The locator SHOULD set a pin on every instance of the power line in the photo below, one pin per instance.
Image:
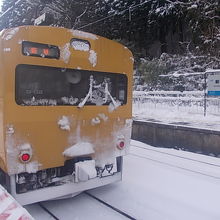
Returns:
(109, 16)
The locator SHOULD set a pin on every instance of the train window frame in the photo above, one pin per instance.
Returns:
(120, 78)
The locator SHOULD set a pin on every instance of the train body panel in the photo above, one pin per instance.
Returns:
(44, 128)
(2, 148)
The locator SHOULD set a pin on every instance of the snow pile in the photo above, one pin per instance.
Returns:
(103, 116)
(79, 149)
(93, 57)
(84, 34)
(31, 167)
(194, 6)
(10, 129)
(80, 45)
(10, 209)
(132, 59)
(64, 123)
(65, 53)
(10, 34)
(95, 121)
(25, 147)
(85, 170)
(114, 106)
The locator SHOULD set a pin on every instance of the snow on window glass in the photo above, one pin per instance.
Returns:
(80, 45)
(50, 86)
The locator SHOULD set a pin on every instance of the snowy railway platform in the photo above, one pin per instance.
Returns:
(158, 184)
(181, 129)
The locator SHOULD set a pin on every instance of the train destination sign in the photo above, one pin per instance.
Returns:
(213, 83)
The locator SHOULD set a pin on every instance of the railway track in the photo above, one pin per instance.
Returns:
(182, 157)
(47, 211)
(122, 213)
(175, 165)
(110, 206)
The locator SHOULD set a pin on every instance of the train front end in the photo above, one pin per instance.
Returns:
(65, 111)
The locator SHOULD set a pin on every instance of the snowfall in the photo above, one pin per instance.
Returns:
(158, 183)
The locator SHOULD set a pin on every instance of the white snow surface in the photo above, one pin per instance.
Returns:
(79, 149)
(113, 107)
(10, 34)
(95, 121)
(84, 34)
(10, 129)
(155, 186)
(65, 53)
(64, 123)
(171, 115)
(93, 58)
(81, 46)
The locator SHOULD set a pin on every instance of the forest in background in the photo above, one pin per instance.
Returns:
(165, 36)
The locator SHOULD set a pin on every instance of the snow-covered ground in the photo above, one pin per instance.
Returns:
(186, 116)
(158, 184)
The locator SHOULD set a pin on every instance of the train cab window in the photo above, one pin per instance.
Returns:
(45, 86)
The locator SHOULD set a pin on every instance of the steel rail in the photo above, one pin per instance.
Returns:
(182, 157)
(47, 210)
(110, 206)
(175, 166)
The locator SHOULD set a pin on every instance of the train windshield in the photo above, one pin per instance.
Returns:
(44, 86)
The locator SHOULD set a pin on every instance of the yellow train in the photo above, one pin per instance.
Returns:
(65, 111)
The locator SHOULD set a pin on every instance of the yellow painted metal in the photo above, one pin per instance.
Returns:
(38, 125)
